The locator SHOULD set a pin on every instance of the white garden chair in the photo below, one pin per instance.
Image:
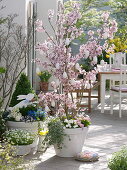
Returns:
(117, 59)
(119, 90)
(115, 62)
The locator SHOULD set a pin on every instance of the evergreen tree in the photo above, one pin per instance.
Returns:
(23, 87)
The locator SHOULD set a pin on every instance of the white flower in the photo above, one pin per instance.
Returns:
(75, 126)
(66, 120)
(69, 125)
(71, 121)
(105, 35)
(47, 109)
(66, 125)
(18, 117)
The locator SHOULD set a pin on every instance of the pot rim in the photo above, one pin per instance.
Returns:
(75, 130)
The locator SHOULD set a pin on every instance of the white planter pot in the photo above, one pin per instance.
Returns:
(30, 126)
(73, 144)
(22, 149)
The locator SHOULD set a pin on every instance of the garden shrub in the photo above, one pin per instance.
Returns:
(119, 160)
(23, 87)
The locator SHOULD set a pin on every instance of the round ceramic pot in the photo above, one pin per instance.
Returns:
(22, 149)
(73, 142)
(29, 126)
(44, 86)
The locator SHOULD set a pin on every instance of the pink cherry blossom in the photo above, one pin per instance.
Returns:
(60, 61)
(50, 13)
(90, 33)
(105, 16)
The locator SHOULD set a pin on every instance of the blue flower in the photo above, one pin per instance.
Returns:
(37, 115)
(41, 114)
(32, 114)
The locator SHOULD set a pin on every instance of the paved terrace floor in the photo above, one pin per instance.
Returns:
(107, 134)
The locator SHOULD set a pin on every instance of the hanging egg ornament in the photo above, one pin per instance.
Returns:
(57, 65)
(53, 103)
(65, 75)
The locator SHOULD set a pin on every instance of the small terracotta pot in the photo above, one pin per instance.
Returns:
(44, 86)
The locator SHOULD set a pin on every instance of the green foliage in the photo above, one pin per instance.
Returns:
(119, 160)
(55, 135)
(2, 20)
(90, 13)
(19, 137)
(23, 87)
(2, 70)
(86, 123)
(8, 161)
(44, 76)
(24, 110)
(85, 64)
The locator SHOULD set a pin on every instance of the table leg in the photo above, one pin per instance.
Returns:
(103, 82)
(99, 89)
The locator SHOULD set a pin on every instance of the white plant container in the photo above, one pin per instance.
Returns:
(22, 149)
(73, 142)
(32, 127)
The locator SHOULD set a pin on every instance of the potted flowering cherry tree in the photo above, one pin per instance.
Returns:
(65, 69)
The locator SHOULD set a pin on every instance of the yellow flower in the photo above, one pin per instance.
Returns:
(42, 133)
(107, 56)
(39, 73)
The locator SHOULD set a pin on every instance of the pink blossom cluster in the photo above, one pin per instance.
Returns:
(61, 63)
(79, 121)
(109, 26)
(58, 101)
(93, 47)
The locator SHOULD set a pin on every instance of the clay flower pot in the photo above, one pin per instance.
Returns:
(44, 86)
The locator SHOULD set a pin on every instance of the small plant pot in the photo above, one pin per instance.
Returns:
(44, 86)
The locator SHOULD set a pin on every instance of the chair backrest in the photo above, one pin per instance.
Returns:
(123, 75)
(117, 59)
